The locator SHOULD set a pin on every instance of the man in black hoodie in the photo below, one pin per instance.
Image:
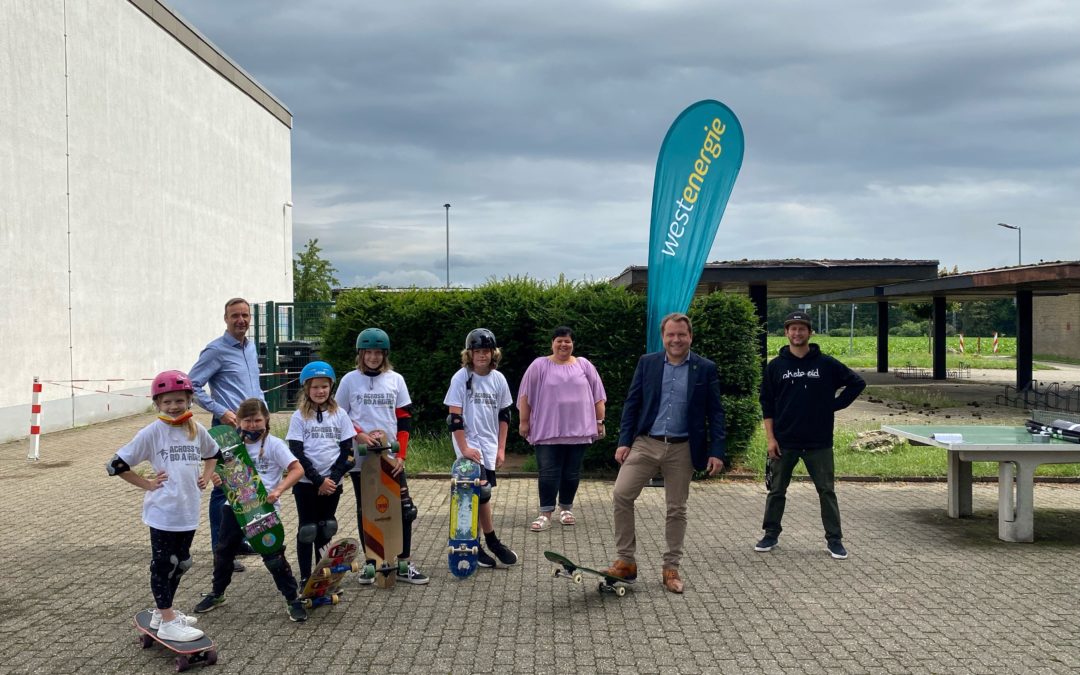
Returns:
(798, 400)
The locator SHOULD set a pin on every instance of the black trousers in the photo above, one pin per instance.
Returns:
(230, 539)
(167, 551)
(313, 508)
(819, 464)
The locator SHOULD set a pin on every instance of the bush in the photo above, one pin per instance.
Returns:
(427, 329)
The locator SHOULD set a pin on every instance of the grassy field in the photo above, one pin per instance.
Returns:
(904, 461)
(911, 351)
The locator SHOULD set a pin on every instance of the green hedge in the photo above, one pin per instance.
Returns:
(427, 329)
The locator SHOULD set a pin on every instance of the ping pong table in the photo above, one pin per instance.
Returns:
(1018, 453)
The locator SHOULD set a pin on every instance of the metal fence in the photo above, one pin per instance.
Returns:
(288, 336)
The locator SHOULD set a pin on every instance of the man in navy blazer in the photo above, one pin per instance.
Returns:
(672, 421)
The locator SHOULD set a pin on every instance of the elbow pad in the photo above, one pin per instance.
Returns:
(504, 415)
(455, 422)
(116, 466)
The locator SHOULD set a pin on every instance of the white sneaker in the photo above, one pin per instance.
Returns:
(178, 631)
(155, 620)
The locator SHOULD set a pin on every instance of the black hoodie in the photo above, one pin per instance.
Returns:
(799, 395)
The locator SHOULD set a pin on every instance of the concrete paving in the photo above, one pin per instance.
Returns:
(920, 592)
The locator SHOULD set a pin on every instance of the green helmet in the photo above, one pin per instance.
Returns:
(373, 338)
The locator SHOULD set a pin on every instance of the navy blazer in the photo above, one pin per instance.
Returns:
(704, 409)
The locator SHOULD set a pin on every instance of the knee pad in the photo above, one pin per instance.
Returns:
(307, 532)
(327, 528)
(485, 494)
(179, 566)
(408, 510)
(277, 563)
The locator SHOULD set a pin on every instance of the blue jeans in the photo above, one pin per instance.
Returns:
(560, 474)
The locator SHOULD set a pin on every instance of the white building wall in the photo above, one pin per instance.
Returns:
(178, 185)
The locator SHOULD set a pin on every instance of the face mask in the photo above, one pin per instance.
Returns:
(175, 421)
(251, 436)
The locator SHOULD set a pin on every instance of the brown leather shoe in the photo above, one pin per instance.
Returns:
(672, 582)
(623, 570)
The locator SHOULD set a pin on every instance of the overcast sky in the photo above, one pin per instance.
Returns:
(873, 129)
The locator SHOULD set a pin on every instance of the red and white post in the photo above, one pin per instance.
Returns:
(35, 423)
(961, 343)
(995, 342)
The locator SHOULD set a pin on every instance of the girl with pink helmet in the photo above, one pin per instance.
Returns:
(175, 445)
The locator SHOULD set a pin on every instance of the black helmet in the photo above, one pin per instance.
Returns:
(480, 338)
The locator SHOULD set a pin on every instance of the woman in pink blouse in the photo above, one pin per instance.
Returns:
(561, 405)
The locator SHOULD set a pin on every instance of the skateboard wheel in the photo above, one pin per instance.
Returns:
(211, 657)
(324, 573)
(475, 550)
(354, 566)
(182, 663)
(555, 572)
(146, 641)
(449, 549)
(620, 591)
(602, 587)
(577, 577)
(335, 599)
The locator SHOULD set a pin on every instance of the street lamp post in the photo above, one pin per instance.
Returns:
(447, 207)
(1019, 241)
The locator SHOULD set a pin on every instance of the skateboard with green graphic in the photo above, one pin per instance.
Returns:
(258, 519)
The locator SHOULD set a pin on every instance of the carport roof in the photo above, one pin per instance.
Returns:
(793, 277)
(1053, 278)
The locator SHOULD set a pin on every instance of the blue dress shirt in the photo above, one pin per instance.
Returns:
(671, 415)
(231, 368)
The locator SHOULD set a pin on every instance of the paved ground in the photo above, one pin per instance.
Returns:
(920, 593)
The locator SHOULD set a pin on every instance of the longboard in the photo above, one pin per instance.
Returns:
(258, 519)
(463, 546)
(380, 506)
(567, 569)
(187, 653)
(325, 580)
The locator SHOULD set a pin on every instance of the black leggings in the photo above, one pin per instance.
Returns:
(230, 539)
(311, 509)
(167, 551)
(406, 525)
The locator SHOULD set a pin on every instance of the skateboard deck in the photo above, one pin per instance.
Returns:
(567, 569)
(187, 653)
(380, 505)
(322, 587)
(258, 519)
(464, 543)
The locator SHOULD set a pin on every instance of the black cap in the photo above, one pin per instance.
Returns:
(798, 316)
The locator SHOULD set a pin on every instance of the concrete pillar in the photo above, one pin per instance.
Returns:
(939, 338)
(882, 336)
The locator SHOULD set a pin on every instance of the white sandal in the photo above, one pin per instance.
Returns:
(540, 524)
(566, 517)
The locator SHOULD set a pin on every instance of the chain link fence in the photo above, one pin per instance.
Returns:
(288, 336)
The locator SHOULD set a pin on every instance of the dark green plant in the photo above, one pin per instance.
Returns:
(427, 329)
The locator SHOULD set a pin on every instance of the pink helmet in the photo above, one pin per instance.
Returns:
(170, 380)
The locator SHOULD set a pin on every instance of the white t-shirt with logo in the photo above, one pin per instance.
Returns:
(275, 461)
(173, 507)
(322, 440)
(480, 398)
(372, 402)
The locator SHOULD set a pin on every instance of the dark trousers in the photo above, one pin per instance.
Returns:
(312, 509)
(229, 542)
(217, 500)
(169, 555)
(406, 525)
(819, 464)
(560, 474)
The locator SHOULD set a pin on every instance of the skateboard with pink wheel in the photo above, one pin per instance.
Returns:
(201, 651)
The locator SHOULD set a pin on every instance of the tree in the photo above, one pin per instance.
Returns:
(313, 277)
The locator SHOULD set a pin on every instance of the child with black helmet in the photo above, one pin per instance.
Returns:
(479, 401)
(321, 438)
(375, 397)
(174, 444)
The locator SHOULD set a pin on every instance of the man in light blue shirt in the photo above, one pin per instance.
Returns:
(230, 365)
